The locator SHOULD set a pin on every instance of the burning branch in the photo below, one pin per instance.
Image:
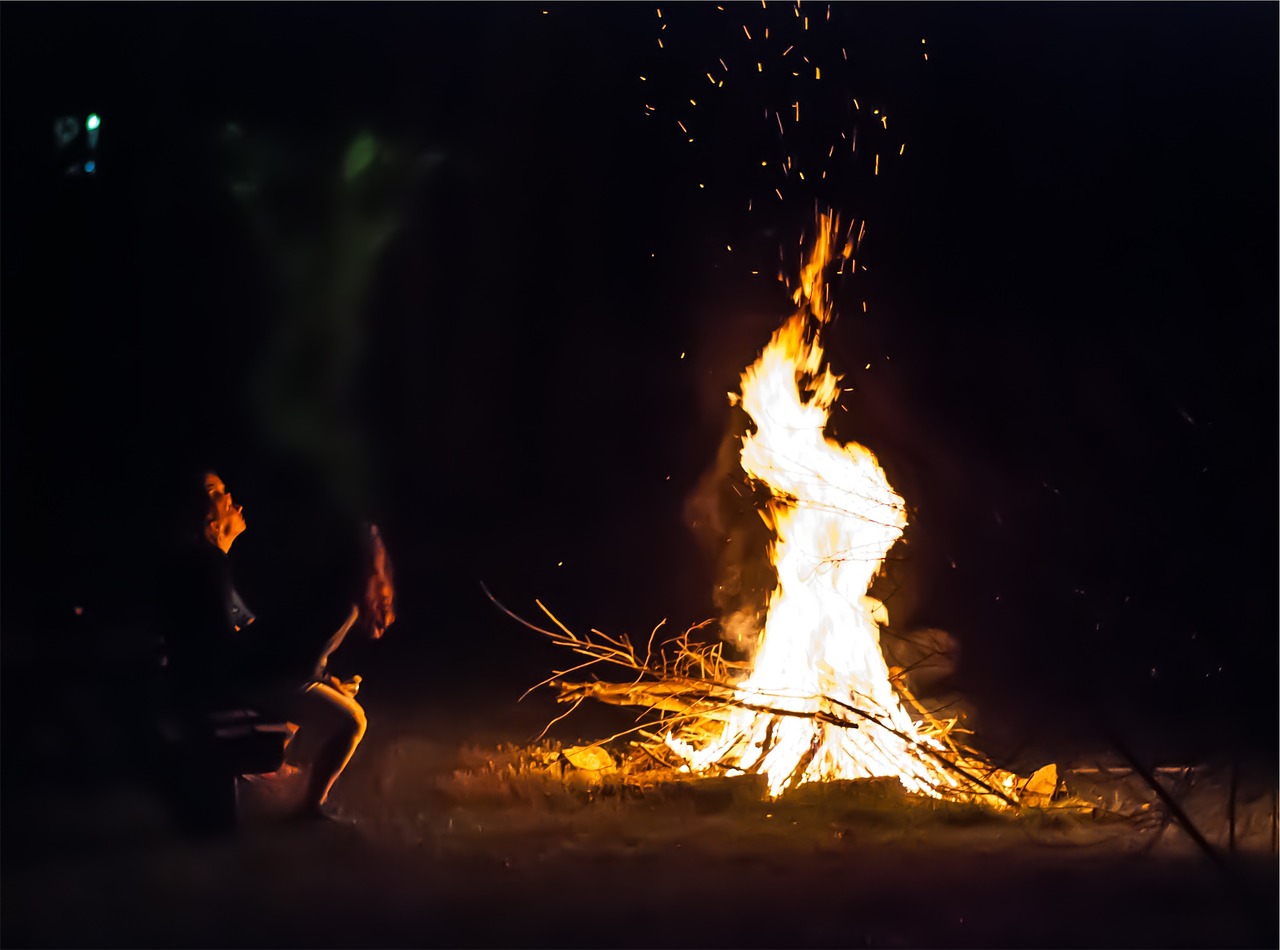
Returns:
(688, 685)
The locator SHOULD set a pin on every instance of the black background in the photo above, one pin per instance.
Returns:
(1071, 320)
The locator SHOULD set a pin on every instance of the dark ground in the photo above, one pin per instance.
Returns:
(1072, 292)
(450, 849)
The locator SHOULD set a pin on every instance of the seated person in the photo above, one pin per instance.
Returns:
(220, 658)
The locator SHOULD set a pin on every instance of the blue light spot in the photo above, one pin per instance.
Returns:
(89, 167)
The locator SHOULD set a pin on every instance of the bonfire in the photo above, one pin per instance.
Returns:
(816, 701)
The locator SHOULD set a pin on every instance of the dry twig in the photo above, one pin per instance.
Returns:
(689, 687)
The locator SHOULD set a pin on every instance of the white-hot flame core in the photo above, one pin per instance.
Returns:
(835, 518)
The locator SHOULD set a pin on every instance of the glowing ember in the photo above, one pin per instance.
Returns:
(818, 704)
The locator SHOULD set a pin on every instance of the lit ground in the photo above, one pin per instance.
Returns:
(447, 849)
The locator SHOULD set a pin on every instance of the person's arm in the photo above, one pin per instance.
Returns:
(335, 641)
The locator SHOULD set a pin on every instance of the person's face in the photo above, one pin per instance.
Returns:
(226, 518)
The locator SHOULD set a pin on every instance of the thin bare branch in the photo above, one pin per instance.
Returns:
(689, 686)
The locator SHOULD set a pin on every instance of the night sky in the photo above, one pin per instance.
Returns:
(1070, 289)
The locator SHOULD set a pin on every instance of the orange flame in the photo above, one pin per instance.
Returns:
(818, 704)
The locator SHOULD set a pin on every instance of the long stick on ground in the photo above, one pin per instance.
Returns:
(695, 684)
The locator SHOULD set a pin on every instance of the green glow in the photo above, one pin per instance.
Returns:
(360, 155)
(92, 122)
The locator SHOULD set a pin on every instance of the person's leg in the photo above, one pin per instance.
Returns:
(330, 715)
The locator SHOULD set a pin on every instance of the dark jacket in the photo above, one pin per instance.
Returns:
(217, 654)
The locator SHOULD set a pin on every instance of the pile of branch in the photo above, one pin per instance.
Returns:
(688, 689)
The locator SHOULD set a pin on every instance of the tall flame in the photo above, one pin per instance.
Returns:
(818, 704)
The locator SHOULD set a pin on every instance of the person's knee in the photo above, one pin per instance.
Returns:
(358, 724)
